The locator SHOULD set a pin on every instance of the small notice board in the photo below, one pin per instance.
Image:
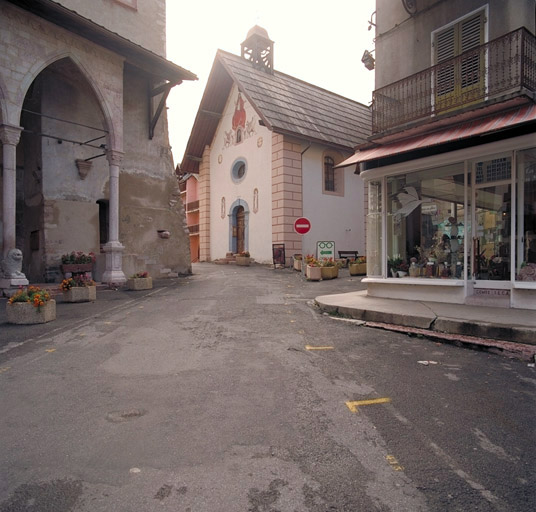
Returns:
(278, 254)
(325, 250)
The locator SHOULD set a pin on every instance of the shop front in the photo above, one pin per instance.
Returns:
(456, 227)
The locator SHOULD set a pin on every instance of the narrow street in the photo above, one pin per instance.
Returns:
(227, 391)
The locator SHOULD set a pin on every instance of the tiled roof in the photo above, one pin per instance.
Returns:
(284, 103)
(293, 106)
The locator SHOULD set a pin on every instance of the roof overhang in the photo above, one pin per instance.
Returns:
(478, 127)
(133, 53)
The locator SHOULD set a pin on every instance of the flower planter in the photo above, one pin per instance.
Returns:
(357, 269)
(243, 261)
(80, 294)
(25, 313)
(298, 265)
(329, 272)
(313, 273)
(76, 268)
(140, 283)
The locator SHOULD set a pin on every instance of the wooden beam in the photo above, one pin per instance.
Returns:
(217, 115)
(164, 87)
(194, 158)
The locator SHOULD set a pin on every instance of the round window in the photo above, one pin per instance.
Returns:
(239, 170)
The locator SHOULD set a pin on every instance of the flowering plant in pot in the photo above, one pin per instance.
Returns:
(358, 266)
(243, 259)
(329, 268)
(140, 281)
(77, 262)
(79, 288)
(31, 305)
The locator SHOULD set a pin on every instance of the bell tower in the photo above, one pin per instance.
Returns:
(258, 48)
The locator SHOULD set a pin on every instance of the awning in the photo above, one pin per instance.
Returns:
(461, 131)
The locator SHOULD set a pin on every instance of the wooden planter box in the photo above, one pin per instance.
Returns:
(357, 269)
(243, 261)
(313, 273)
(24, 313)
(80, 294)
(140, 283)
(329, 272)
(77, 268)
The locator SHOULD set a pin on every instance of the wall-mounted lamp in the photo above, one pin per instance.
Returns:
(371, 23)
(368, 60)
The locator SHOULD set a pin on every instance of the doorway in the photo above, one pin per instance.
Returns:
(239, 226)
(492, 221)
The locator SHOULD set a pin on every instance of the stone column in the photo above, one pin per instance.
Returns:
(10, 136)
(114, 249)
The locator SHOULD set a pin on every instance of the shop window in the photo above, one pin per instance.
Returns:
(425, 223)
(526, 216)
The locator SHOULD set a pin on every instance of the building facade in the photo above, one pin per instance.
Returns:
(87, 164)
(189, 190)
(450, 167)
(265, 146)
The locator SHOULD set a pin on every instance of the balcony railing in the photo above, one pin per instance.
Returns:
(191, 206)
(506, 65)
(194, 229)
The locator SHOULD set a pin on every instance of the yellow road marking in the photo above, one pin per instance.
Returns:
(4, 369)
(353, 405)
(50, 350)
(393, 463)
(292, 321)
(309, 347)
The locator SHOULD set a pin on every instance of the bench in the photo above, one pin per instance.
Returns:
(348, 254)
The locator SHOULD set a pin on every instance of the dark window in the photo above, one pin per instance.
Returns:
(329, 174)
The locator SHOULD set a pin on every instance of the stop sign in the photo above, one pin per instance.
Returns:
(302, 225)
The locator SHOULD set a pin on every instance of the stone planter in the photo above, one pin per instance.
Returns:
(243, 261)
(329, 272)
(25, 313)
(140, 283)
(313, 273)
(80, 294)
(357, 269)
(298, 265)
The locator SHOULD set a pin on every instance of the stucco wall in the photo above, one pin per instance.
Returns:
(140, 21)
(333, 218)
(403, 43)
(256, 151)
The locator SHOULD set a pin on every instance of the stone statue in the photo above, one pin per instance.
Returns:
(12, 264)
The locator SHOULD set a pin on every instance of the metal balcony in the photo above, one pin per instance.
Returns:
(502, 69)
(192, 206)
(193, 229)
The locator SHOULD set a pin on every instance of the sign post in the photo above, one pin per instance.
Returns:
(302, 225)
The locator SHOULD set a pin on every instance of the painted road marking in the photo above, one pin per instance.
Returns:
(50, 350)
(4, 369)
(309, 347)
(358, 403)
(393, 463)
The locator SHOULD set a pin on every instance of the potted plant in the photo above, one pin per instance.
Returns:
(79, 288)
(329, 269)
(243, 259)
(77, 262)
(30, 305)
(313, 271)
(358, 266)
(140, 281)
(298, 258)
(397, 266)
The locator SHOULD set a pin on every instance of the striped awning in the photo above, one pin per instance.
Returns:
(461, 131)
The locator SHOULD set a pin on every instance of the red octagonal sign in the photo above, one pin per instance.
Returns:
(302, 225)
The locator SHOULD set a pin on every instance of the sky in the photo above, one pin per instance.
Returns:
(318, 41)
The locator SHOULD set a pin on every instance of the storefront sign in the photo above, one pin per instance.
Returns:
(325, 250)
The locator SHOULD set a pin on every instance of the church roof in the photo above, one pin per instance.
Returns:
(284, 104)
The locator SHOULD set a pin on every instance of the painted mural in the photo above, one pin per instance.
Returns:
(241, 128)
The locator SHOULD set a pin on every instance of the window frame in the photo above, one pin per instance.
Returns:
(338, 175)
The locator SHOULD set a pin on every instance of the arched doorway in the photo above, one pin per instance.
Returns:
(239, 226)
(61, 170)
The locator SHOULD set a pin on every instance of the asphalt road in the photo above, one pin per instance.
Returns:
(204, 395)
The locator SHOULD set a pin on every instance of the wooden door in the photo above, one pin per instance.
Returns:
(240, 229)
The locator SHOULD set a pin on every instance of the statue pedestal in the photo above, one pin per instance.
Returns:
(9, 285)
